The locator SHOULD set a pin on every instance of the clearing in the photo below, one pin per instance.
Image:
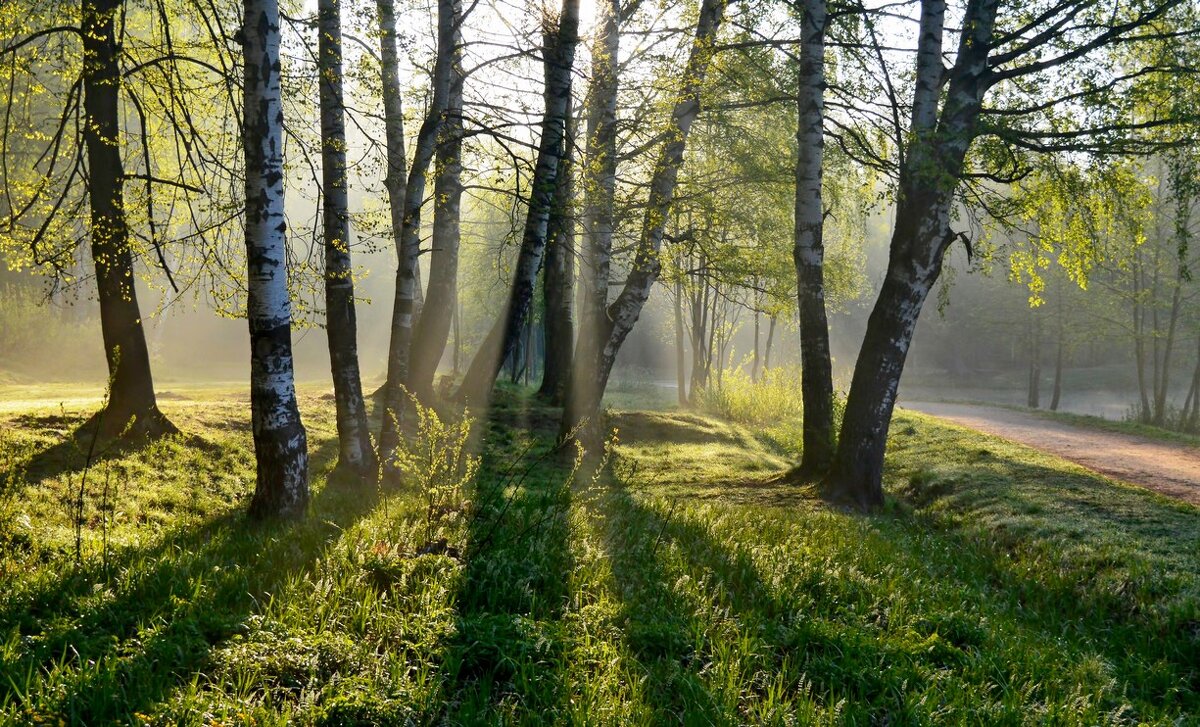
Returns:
(683, 585)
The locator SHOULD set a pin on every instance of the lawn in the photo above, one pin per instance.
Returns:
(682, 583)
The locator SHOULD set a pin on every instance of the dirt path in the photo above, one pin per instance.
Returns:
(1170, 469)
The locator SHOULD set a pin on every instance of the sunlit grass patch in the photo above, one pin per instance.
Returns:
(685, 585)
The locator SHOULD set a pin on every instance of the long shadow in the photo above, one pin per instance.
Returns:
(154, 626)
(1110, 600)
(801, 642)
(510, 640)
(662, 634)
(841, 655)
(79, 448)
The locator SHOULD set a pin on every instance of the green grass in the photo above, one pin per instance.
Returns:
(1136, 428)
(682, 585)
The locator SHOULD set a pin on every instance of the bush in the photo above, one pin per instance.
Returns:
(774, 404)
(773, 398)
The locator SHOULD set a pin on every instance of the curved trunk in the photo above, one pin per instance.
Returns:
(433, 325)
(355, 451)
(404, 309)
(928, 178)
(594, 369)
(503, 338)
(809, 251)
(280, 442)
(131, 386)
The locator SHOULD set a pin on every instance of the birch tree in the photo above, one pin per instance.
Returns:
(594, 360)
(409, 240)
(280, 441)
(559, 44)
(432, 329)
(355, 450)
(1039, 52)
(558, 278)
(809, 252)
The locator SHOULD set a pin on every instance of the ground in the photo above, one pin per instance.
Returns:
(682, 583)
(1167, 466)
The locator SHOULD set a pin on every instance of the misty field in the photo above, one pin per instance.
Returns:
(680, 582)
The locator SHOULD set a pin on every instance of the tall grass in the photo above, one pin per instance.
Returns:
(773, 405)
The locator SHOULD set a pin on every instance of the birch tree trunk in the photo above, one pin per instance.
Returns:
(397, 163)
(770, 341)
(407, 286)
(680, 380)
(131, 394)
(558, 279)
(433, 325)
(928, 178)
(355, 451)
(559, 57)
(809, 252)
(593, 371)
(599, 192)
(280, 442)
(1034, 397)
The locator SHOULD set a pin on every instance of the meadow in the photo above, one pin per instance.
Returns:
(678, 579)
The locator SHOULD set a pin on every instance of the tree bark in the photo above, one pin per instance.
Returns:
(770, 340)
(280, 442)
(355, 451)
(433, 326)
(559, 55)
(929, 175)
(409, 243)
(131, 385)
(397, 161)
(809, 252)
(584, 396)
(558, 279)
(599, 193)
(1034, 394)
(680, 380)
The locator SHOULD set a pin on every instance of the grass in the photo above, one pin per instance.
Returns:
(1135, 428)
(1118, 426)
(680, 585)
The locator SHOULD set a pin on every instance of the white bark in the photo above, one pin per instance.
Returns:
(279, 437)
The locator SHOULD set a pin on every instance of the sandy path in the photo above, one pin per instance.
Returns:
(1170, 469)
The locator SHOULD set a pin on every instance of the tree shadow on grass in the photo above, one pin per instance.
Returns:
(741, 651)
(506, 660)
(80, 446)
(1075, 558)
(99, 649)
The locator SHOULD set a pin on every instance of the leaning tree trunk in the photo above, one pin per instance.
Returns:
(928, 178)
(809, 252)
(131, 386)
(355, 451)
(502, 339)
(280, 442)
(584, 396)
(433, 325)
(558, 279)
(407, 286)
